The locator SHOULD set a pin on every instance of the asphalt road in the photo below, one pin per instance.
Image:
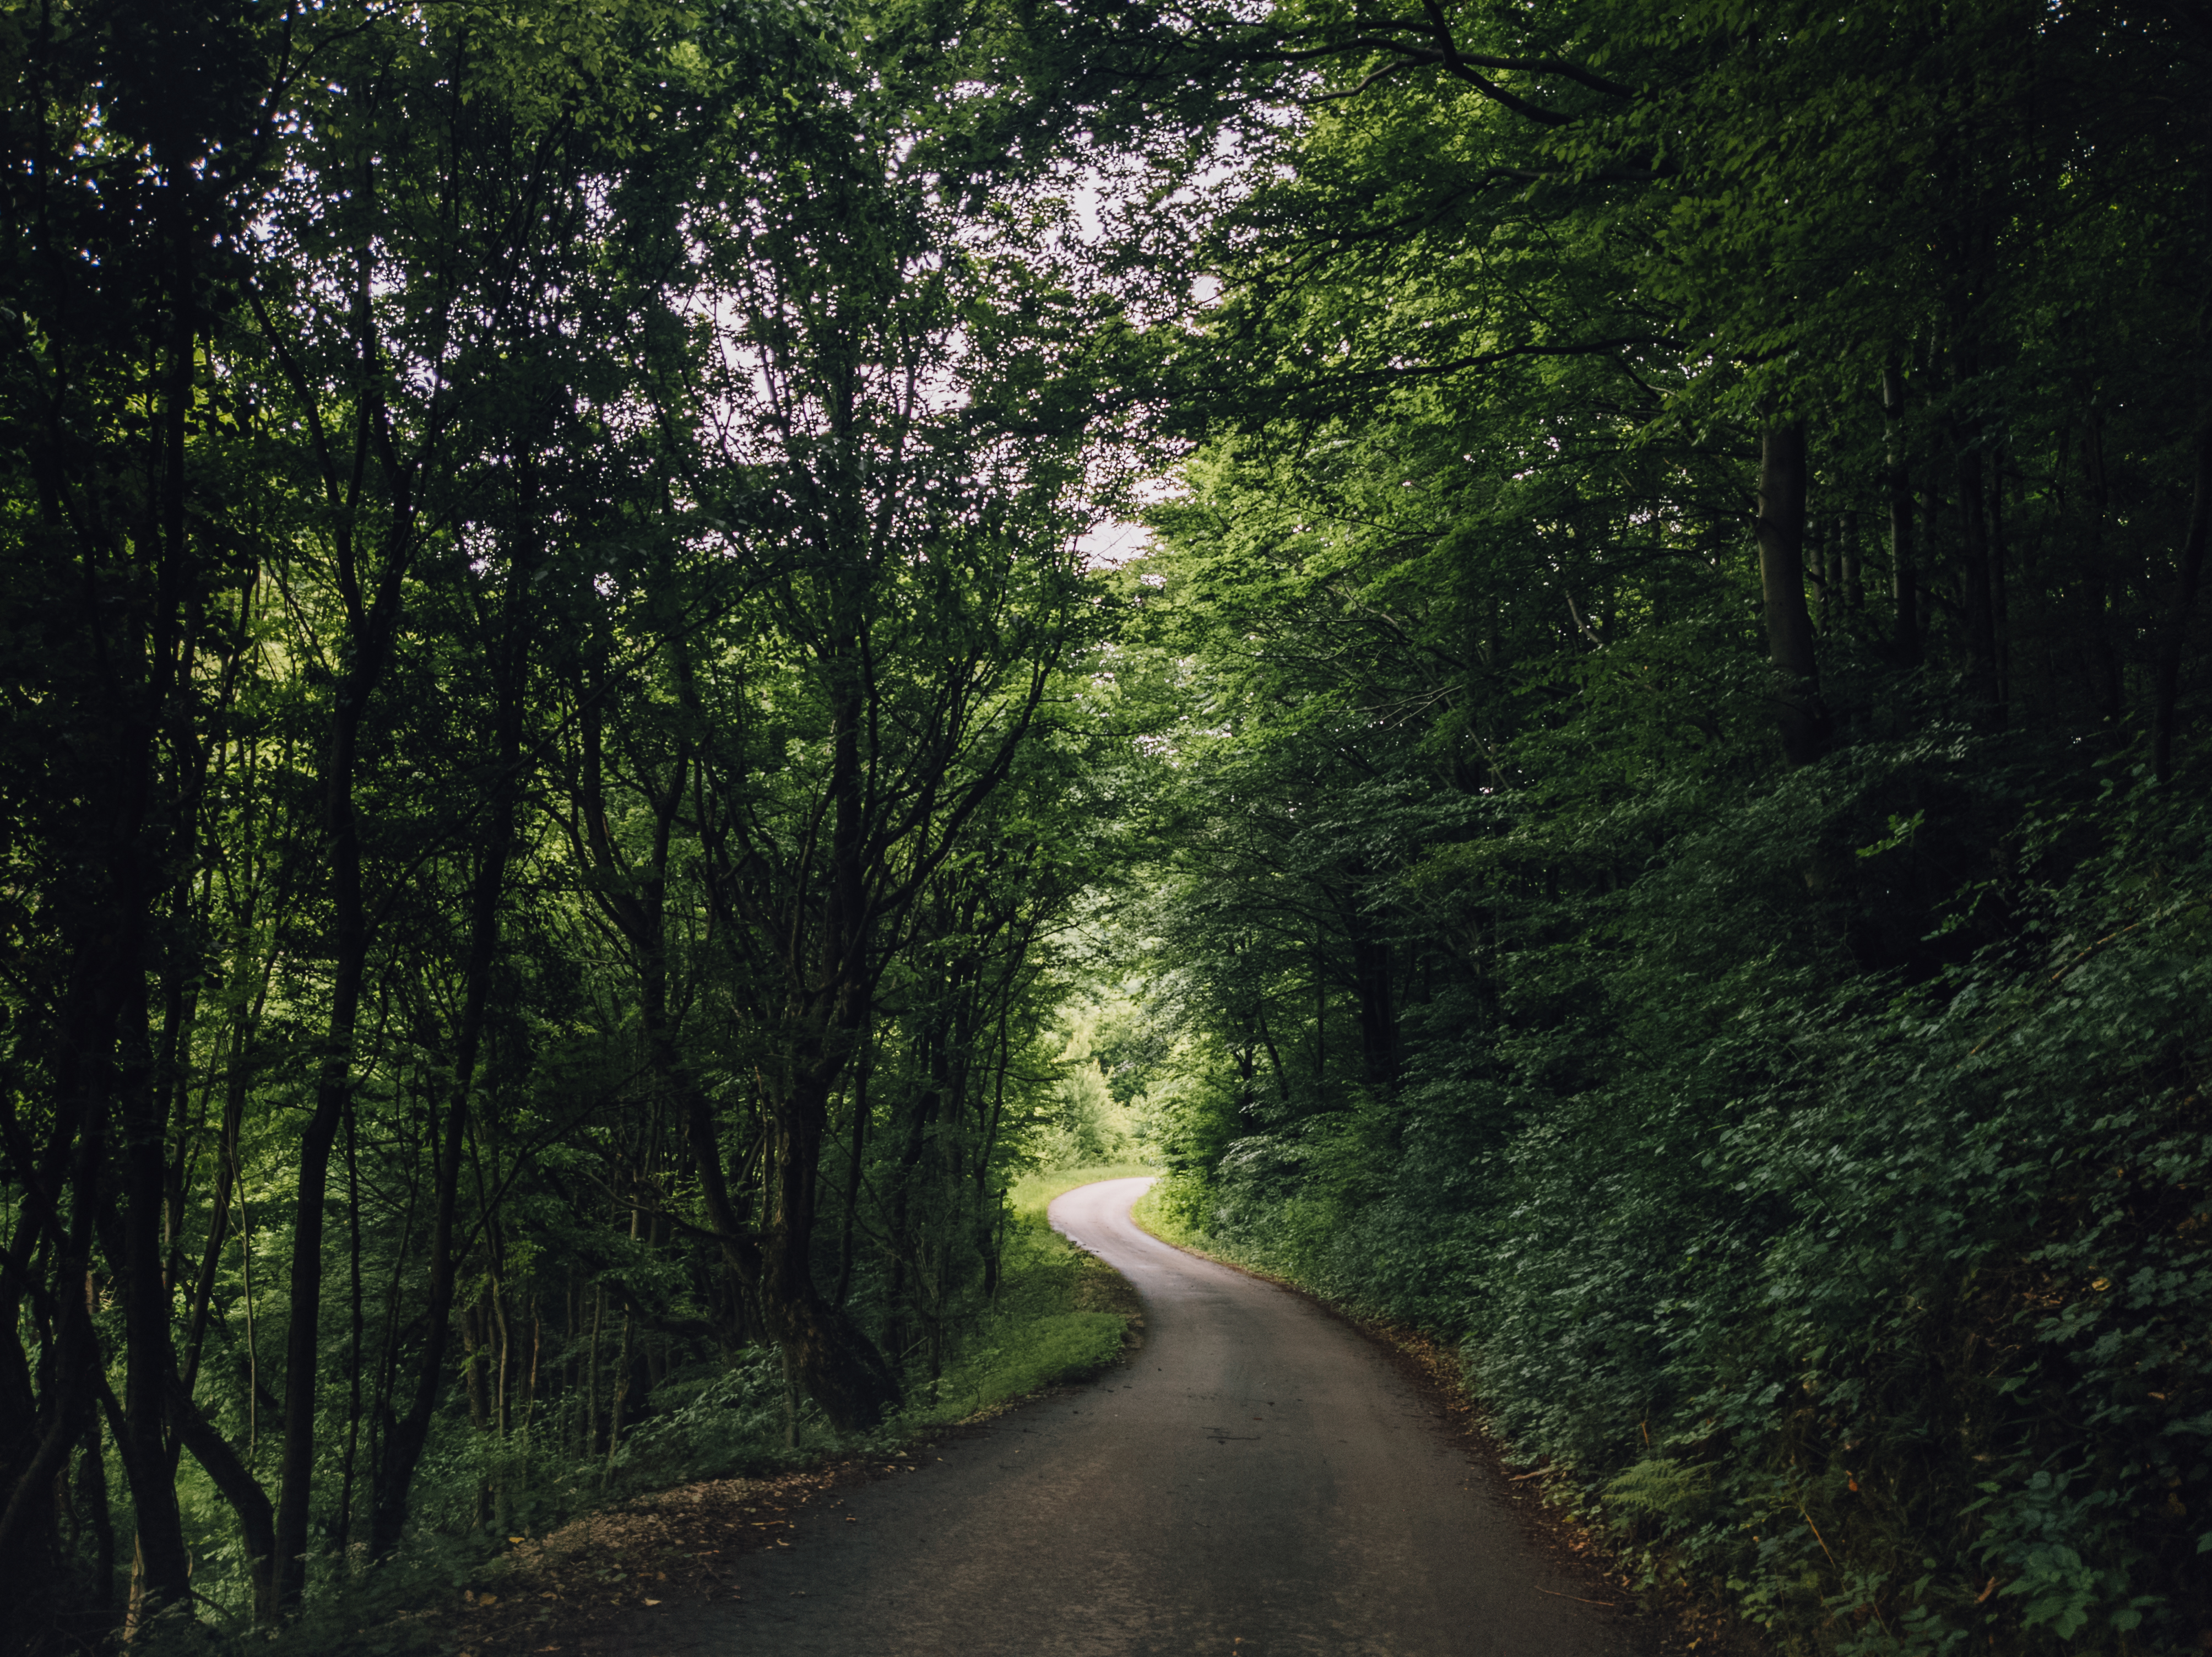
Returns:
(1257, 1480)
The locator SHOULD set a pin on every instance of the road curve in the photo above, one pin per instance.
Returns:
(1256, 1481)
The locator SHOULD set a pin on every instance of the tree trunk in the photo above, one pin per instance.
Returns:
(256, 1519)
(1378, 1013)
(38, 1430)
(150, 1358)
(409, 1434)
(333, 1087)
(1903, 572)
(853, 1172)
(2174, 636)
(1977, 610)
(2111, 679)
(1781, 530)
(836, 1363)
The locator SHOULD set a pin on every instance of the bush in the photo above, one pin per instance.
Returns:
(1877, 1299)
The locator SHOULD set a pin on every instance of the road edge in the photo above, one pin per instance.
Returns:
(1665, 1623)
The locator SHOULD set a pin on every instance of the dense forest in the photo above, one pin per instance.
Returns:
(577, 801)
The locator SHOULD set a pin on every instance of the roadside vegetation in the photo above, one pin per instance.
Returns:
(1876, 1316)
(718, 1448)
(1061, 1314)
(1684, 872)
(581, 801)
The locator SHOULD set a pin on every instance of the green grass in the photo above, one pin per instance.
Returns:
(1061, 1315)
(1156, 1212)
(1033, 1193)
(1174, 1210)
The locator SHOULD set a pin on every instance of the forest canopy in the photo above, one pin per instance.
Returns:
(574, 807)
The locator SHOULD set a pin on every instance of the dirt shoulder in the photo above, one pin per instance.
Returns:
(557, 1593)
(561, 1592)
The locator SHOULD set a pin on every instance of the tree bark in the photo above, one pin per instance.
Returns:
(1977, 607)
(38, 1434)
(837, 1364)
(372, 620)
(2174, 636)
(1378, 1013)
(510, 654)
(150, 1357)
(1904, 573)
(333, 1083)
(256, 1519)
(372, 631)
(1781, 530)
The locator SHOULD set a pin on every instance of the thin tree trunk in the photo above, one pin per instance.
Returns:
(372, 620)
(387, 1361)
(252, 1343)
(1977, 615)
(510, 653)
(621, 1394)
(28, 1544)
(2000, 607)
(343, 1528)
(1781, 530)
(228, 1175)
(93, 1487)
(160, 1567)
(1274, 1058)
(1321, 1014)
(499, 1420)
(852, 1180)
(2110, 688)
(1853, 586)
(1373, 981)
(256, 1518)
(2166, 709)
(537, 1344)
(333, 1087)
(591, 1370)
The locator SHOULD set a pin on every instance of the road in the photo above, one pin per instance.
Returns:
(1258, 1480)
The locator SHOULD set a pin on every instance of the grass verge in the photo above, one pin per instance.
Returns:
(1061, 1315)
(1168, 1221)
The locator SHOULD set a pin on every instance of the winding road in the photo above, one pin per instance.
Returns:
(1257, 1480)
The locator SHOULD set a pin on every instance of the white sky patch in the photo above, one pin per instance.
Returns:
(1110, 543)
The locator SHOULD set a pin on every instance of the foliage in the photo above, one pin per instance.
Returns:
(1807, 1148)
(573, 814)
(551, 735)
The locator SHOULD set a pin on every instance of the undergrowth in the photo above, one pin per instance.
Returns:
(1877, 1308)
(1060, 1314)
